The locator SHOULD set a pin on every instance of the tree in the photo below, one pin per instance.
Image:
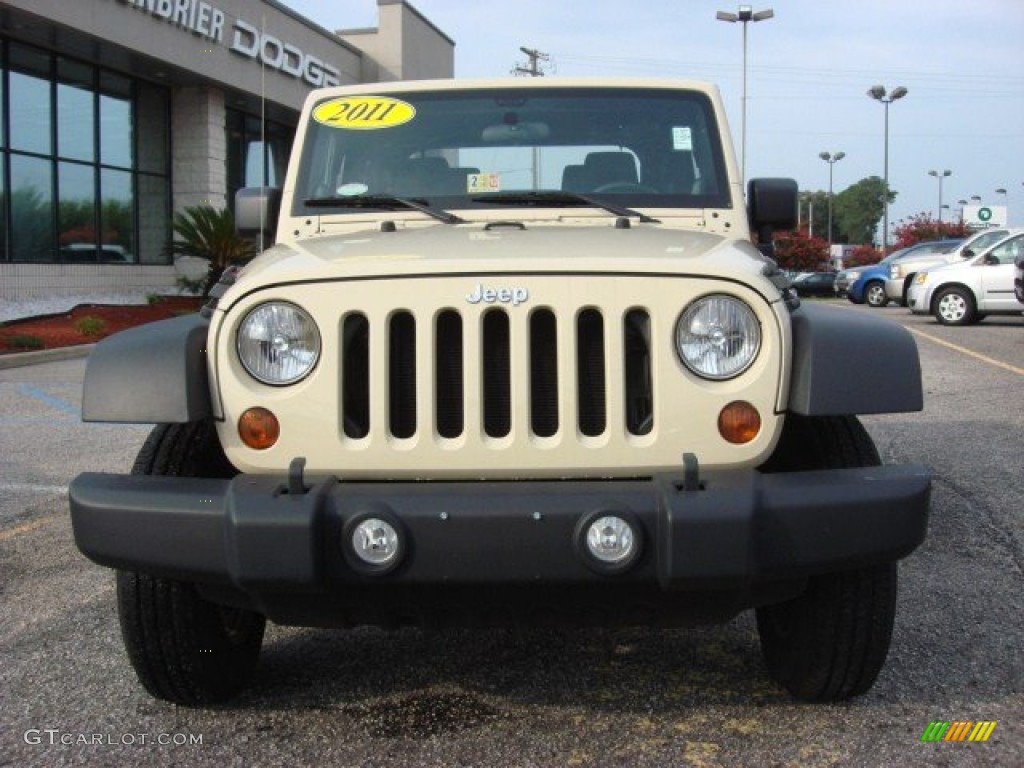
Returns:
(209, 234)
(859, 207)
(797, 252)
(922, 227)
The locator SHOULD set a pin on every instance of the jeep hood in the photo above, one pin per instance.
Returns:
(509, 248)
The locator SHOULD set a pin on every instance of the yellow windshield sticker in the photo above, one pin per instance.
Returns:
(364, 113)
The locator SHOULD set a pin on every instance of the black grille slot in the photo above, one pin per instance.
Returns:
(402, 375)
(448, 369)
(355, 376)
(639, 390)
(497, 415)
(590, 382)
(543, 373)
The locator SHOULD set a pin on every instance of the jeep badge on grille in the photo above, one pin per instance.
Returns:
(514, 296)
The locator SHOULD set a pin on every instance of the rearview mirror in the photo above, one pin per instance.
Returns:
(256, 212)
(516, 133)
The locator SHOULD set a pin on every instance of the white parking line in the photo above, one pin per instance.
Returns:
(33, 488)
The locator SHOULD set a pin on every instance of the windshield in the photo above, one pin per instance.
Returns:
(471, 148)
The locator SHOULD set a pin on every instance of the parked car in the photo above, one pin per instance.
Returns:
(870, 286)
(435, 401)
(847, 277)
(815, 284)
(903, 270)
(964, 293)
(1018, 279)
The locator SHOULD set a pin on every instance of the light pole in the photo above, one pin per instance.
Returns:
(940, 177)
(878, 93)
(744, 14)
(831, 160)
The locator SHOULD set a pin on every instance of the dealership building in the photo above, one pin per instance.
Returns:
(116, 114)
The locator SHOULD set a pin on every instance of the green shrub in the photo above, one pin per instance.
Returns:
(90, 325)
(187, 285)
(24, 342)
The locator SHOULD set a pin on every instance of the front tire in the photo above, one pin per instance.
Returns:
(185, 649)
(830, 643)
(874, 294)
(954, 306)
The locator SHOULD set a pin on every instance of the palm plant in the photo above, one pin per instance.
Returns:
(210, 234)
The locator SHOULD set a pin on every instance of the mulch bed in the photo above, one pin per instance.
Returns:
(77, 326)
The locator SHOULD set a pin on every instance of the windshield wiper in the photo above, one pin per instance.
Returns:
(383, 201)
(554, 197)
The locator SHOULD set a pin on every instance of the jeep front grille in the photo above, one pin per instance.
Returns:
(555, 359)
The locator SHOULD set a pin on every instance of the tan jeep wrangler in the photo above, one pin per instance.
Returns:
(513, 359)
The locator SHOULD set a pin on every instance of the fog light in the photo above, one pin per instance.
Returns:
(739, 422)
(376, 542)
(258, 428)
(612, 542)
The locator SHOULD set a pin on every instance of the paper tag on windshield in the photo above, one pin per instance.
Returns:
(682, 139)
(477, 183)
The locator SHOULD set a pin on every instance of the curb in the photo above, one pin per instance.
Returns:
(21, 359)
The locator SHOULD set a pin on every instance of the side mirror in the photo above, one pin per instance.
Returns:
(990, 259)
(772, 205)
(968, 253)
(256, 212)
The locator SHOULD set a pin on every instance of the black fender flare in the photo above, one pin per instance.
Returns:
(151, 374)
(849, 363)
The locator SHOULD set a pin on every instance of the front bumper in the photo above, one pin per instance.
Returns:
(894, 288)
(917, 299)
(734, 535)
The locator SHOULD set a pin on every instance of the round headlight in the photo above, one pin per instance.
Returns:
(278, 343)
(718, 337)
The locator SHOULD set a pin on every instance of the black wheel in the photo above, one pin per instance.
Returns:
(954, 306)
(830, 643)
(874, 294)
(907, 282)
(183, 648)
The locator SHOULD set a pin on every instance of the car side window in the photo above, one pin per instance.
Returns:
(1006, 253)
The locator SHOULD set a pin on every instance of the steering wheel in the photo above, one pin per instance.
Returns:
(623, 186)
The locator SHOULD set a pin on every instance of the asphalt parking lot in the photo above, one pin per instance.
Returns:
(597, 698)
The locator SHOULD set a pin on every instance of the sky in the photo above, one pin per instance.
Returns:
(808, 72)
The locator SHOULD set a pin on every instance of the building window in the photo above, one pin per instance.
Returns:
(85, 162)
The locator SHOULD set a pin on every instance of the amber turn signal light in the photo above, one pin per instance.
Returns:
(739, 422)
(258, 428)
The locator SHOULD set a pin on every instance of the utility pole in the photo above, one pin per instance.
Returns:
(532, 69)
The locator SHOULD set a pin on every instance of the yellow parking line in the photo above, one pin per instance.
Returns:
(17, 530)
(970, 353)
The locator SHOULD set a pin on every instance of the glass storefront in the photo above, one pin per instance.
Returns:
(85, 175)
